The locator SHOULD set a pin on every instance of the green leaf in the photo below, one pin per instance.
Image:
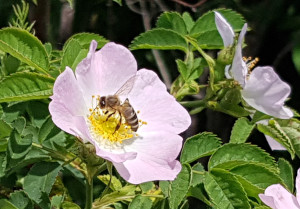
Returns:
(118, 2)
(207, 21)
(210, 40)
(39, 181)
(25, 86)
(115, 182)
(225, 190)
(126, 193)
(197, 178)
(3, 146)
(164, 186)
(73, 54)
(231, 155)
(47, 128)
(5, 204)
(38, 112)
(188, 20)
(34, 155)
(172, 21)
(255, 178)
(241, 130)
(85, 39)
(18, 146)
(179, 187)
(284, 132)
(10, 64)
(198, 146)
(286, 173)
(19, 124)
(25, 47)
(183, 69)
(159, 39)
(147, 186)
(77, 47)
(5, 129)
(140, 202)
(20, 200)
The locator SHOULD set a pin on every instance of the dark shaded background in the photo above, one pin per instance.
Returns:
(275, 32)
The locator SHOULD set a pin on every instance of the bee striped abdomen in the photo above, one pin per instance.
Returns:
(130, 115)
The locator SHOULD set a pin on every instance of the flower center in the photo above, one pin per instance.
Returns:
(109, 126)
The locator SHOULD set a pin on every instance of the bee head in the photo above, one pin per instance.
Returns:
(102, 102)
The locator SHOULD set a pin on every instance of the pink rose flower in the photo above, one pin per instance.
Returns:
(147, 154)
(277, 197)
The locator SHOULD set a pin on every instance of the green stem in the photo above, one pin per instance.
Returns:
(211, 63)
(89, 192)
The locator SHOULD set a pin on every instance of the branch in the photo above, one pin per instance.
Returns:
(198, 4)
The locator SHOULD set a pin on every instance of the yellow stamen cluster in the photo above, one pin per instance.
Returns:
(109, 125)
(106, 126)
(251, 63)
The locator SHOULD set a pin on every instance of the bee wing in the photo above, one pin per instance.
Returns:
(126, 88)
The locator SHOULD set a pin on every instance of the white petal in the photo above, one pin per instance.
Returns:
(67, 107)
(298, 186)
(105, 71)
(239, 68)
(155, 160)
(266, 92)
(281, 197)
(274, 145)
(224, 29)
(157, 107)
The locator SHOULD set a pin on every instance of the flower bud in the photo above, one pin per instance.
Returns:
(226, 55)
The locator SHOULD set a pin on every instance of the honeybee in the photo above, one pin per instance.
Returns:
(112, 103)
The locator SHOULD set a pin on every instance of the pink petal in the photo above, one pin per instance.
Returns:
(104, 72)
(282, 199)
(156, 158)
(298, 186)
(160, 145)
(224, 29)
(239, 69)
(67, 107)
(274, 145)
(269, 201)
(66, 121)
(157, 107)
(88, 75)
(143, 170)
(67, 92)
(266, 92)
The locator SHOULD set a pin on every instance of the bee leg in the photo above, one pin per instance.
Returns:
(120, 122)
(110, 115)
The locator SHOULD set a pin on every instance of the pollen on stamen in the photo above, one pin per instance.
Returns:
(251, 63)
(109, 128)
